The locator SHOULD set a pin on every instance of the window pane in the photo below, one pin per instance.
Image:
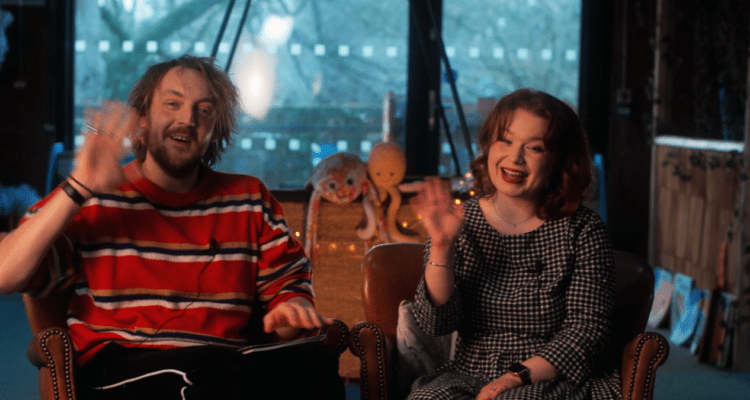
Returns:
(313, 74)
(497, 46)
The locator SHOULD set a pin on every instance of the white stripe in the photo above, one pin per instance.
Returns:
(181, 305)
(169, 257)
(181, 213)
(172, 342)
(213, 210)
(281, 241)
(263, 275)
(148, 375)
(256, 208)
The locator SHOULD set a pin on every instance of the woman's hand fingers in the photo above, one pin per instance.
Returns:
(441, 218)
(497, 387)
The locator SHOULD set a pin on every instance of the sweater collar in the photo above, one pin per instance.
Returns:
(206, 183)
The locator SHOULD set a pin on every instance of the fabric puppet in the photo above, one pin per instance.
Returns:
(339, 178)
(387, 166)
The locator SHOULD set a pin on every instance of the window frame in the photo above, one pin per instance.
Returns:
(422, 138)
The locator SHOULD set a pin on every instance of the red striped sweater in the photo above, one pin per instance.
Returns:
(165, 270)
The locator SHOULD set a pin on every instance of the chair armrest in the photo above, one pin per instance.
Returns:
(337, 337)
(640, 358)
(51, 351)
(370, 344)
(336, 340)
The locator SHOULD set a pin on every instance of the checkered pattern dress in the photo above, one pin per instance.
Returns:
(548, 292)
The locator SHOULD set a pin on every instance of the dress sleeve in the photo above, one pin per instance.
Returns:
(283, 269)
(441, 320)
(589, 302)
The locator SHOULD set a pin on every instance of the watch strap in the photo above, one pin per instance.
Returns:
(522, 372)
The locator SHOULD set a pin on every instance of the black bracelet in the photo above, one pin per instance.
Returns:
(82, 185)
(75, 195)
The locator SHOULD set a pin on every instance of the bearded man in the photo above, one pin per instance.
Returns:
(170, 260)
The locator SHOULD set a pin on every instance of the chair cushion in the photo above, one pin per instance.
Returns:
(418, 352)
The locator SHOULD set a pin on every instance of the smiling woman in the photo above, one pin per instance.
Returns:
(513, 269)
(518, 164)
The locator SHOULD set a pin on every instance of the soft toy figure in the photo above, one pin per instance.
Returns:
(339, 178)
(387, 166)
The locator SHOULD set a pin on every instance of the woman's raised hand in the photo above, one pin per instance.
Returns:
(108, 131)
(441, 217)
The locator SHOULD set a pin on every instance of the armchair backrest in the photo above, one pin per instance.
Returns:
(47, 312)
(635, 294)
(391, 273)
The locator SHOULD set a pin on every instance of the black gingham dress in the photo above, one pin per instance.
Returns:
(548, 292)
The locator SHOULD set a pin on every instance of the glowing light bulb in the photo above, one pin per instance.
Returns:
(276, 30)
(256, 77)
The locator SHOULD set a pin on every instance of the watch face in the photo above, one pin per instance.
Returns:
(517, 368)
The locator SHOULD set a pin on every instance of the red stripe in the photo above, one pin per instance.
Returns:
(95, 222)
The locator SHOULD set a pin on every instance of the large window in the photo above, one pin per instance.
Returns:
(314, 74)
(497, 46)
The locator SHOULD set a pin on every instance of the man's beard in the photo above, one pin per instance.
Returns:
(175, 168)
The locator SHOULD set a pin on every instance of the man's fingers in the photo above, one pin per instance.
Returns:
(269, 323)
(272, 321)
(308, 318)
(296, 316)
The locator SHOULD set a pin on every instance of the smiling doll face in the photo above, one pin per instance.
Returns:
(386, 165)
(340, 178)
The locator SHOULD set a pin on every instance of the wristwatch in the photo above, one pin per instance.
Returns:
(521, 371)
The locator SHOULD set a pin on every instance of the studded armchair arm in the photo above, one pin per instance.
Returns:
(51, 351)
(337, 337)
(640, 358)
(371, 345)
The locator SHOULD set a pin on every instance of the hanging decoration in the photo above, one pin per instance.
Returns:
(339, 178)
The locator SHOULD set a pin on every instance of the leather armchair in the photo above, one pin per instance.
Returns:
(391, 272)
(51, 349)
